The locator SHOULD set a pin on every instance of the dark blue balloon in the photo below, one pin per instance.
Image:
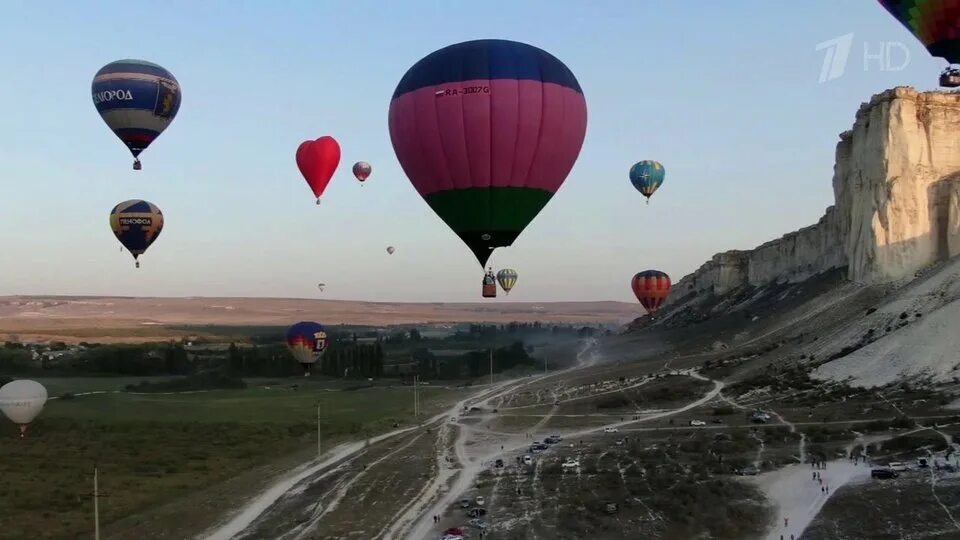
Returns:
(137, 100)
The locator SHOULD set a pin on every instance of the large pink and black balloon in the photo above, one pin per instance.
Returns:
(487, 131)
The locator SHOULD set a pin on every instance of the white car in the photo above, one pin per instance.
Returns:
(697, 423)
(527, 460)
(611, 430)
(479, 500)
(570, 463)
(897, 466)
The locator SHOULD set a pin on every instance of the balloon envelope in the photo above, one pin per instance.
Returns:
(362, 170)
(647, 176)
(507, 278)
(22, 400)
(487, 131)
(317, 161)
(307, 340)
(936, 23)
(390, 250)
(651, 288)
(137, 100)
(136, 224)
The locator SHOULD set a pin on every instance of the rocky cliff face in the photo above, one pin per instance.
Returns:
(897, 188)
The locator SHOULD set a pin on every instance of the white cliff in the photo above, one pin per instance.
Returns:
(897, 188)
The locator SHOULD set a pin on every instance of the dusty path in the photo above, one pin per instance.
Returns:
(420, 524)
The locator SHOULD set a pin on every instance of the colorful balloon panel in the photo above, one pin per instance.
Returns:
(136, 224)
(487, 131)
(647, 176)
(317, 161)
(137, 100)
(651, 288)
(307, 340)
(936, 23)
(507, 278)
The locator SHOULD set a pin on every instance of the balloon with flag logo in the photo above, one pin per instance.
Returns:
(647, 176)
(307, 340)
(136, 224)
(487, 131)
(137, 100)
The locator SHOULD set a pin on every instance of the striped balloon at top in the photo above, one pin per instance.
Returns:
(936, 23)
(651, 288)
(137, 100)
(487, 131)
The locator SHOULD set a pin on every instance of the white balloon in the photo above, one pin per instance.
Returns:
(22, 400)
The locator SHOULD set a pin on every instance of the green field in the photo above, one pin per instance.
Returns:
(153, 449)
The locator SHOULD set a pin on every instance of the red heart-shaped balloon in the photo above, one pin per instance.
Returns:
(317, 161)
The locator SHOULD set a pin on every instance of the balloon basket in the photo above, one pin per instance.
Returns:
(318, 202)
(136, 165)
(137, 264)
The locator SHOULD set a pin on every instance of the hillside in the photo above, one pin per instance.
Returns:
(137, 319)
(870, 293)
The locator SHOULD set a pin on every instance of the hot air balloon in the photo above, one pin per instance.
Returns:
(317, 161)
(307, 340)
(651, 288)
(362, 170)
(138, 100)
(390, 250)
(647, 176)
(21, 401)
(321, 286)
(507, 278)
(936, 23)
(487, 131)
(137, 224)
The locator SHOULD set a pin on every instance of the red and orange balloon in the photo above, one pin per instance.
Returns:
(651, 288)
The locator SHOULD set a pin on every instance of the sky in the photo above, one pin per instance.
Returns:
(727, 95)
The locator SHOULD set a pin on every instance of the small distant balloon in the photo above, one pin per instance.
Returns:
(647, 176)
(317, 161)
(137, 100)
(321, 286)
(362, 170)
(136, 224)
(21, 401)
(391, 249)
(507, 278)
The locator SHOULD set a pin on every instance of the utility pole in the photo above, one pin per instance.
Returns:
(491, 367)
(96, 506)
(319, 447)
(416, 396)
(96, 503)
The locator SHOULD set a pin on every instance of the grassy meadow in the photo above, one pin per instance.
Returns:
(152, 449)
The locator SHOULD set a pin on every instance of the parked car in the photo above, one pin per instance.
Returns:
(717, 421)
(883, 473)
(570, 463)
(611, 430)
(464, 503)
(897, 466)
(556, 438)
(479, 500)
(749, 470)
(477, 523)
(535, 450)
(697, 423)
(476, 512)
(498, 463)
(618, 442)
(527, 460)
(922, 463)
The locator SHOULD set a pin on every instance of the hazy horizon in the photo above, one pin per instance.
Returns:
(734, 110)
